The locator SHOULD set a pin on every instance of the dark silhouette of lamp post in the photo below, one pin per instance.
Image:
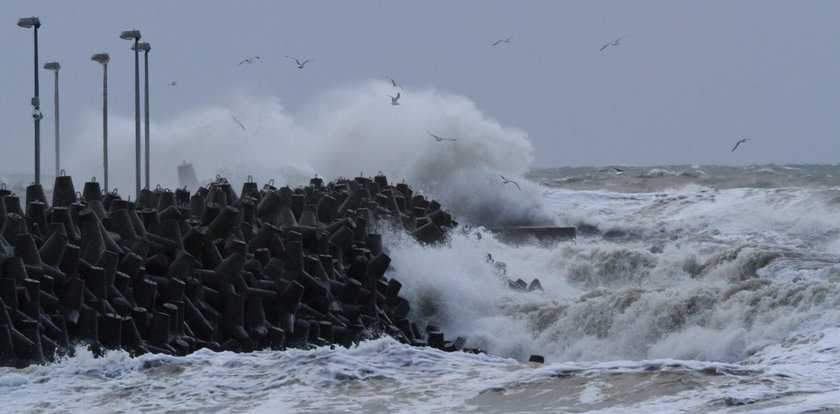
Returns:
(135, 35)
(145, 47)
(55, 66)
(35, 23)
(103, 58)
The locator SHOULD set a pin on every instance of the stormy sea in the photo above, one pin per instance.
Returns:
(696, 289)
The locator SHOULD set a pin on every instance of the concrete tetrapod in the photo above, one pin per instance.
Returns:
(175, 272)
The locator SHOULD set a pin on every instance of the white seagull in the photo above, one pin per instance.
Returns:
(250, 60)
(502, 41)
(299, 63)
(505, 181)
(613, 43)
(618, 171)
(438, 139)
(394, 99)
(393, 82)
(238, 122)
(739, 143)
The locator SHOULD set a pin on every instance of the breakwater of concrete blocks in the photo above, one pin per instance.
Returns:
(174, 271)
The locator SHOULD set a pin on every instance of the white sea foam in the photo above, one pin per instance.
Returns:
(725, 283)
(379, 376)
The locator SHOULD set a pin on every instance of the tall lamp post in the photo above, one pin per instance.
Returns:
(55, 66)
(145, 47)
(34, 22)
(135, 35)
(103, 58)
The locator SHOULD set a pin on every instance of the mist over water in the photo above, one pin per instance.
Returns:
(342, 133)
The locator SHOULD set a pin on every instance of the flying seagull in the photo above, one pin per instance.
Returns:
(502, 41)
(250, 60)
(505, 181)
(393, 82)
(438, 139)
(394, 99)
(618, 171)
(739, 143)
(173, 83)
(613, 43)
(238, 122)
(299, 63)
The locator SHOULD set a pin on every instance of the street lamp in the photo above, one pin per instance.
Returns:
(135, 35)
(145, 47)
(55, 66)
(33, 22)
(103, 58)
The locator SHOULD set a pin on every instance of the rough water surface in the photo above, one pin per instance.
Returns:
(688, 289)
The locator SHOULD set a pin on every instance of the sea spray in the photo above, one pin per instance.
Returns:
(346, 132)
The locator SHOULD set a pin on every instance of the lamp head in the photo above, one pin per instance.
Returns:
(29, 22)
(144, 46)
(130, 35)
(52, 66)
(102, 58)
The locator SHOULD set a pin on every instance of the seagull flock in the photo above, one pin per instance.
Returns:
(395, 98)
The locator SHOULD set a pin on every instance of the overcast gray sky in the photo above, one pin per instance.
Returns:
(688, 81)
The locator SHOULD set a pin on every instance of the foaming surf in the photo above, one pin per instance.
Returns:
(379, 376)
(690, 274)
